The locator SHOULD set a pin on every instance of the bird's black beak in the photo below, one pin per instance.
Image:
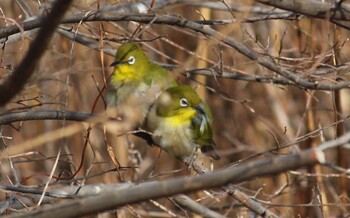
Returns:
(200, 109)
(115, 63)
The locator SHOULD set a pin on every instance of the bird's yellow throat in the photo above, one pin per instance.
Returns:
(182, 118)
(125, 73)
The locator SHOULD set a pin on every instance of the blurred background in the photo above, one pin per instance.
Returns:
(257, 113)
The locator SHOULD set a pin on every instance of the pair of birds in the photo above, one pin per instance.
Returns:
(179, 120)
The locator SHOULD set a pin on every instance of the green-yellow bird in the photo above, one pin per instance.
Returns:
(135, 78)
(180, 122)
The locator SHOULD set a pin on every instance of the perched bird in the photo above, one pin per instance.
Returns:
(136, 79)
(181, 122)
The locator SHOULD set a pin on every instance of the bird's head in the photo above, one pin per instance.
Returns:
(182, 104)
(130, 63)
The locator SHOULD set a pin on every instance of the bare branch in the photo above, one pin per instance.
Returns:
(313, 8)
(156, 189)
(44, 115)
(263, 60)
(187, 202)
(16, 81)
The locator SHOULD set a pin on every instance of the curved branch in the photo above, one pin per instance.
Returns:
(16, 81)
(169, 187)
(44, 115)
(194, 206)
(61, 115)
(207, 31)
(317, 9)
(267, 62)
(312, 8)
(83, 116)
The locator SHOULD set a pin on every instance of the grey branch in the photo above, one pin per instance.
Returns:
(71, 192)
(187, 202)
(44, 115)
(16, 81)
(170, 187)
(241, 197)
(85, 117)
(313, 8)
(109, 15)
(295, 77)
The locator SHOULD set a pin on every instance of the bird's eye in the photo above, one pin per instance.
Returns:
(183, 102)
(131, 60)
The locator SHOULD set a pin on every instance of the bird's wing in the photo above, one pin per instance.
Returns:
(201, 127)
(202, 131)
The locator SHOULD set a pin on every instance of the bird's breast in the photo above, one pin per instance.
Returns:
(176, 140)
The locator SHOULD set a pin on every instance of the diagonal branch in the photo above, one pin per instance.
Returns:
(110, 15)
(295, 77)
(16, 81)
(313, 8)
(169, 187)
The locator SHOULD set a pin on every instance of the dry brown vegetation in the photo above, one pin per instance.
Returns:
(274, 75)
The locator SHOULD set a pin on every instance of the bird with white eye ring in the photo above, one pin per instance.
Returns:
(131, 60)
(183, 102)
(181, 122)
(136, 80)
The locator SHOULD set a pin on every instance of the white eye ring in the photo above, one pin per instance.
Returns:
(183, 102)
(131, 60)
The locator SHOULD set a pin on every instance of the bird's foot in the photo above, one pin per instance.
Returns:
(190, 160)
